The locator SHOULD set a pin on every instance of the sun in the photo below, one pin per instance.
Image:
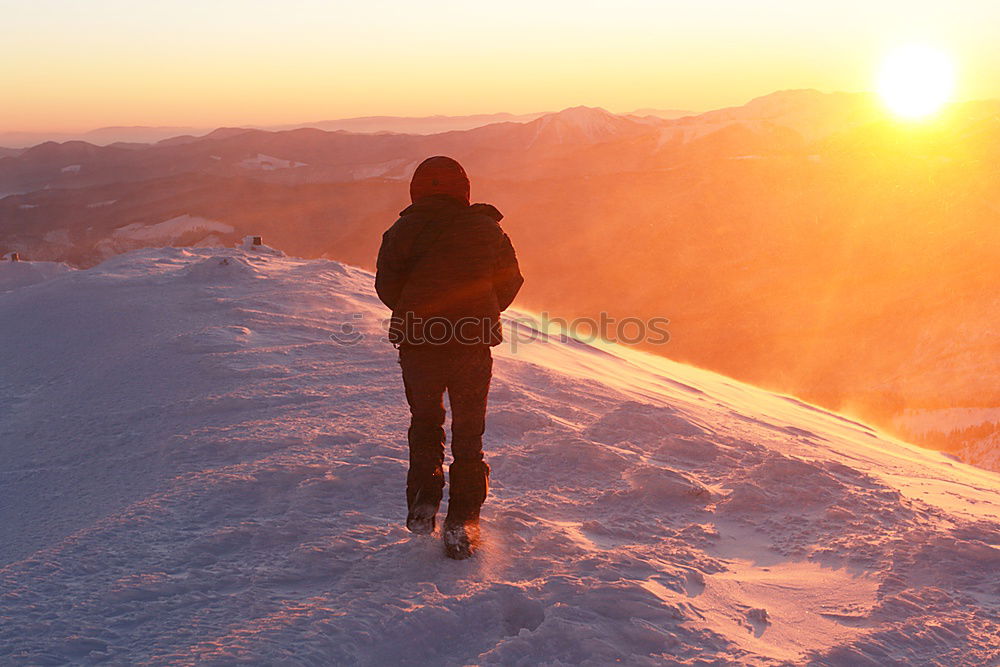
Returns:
(916, 80)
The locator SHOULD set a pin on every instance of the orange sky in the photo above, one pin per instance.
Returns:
(71, 65)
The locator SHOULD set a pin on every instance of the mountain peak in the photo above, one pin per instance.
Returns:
(582, 124)
(582, 111)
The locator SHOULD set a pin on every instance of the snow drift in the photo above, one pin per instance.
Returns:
(203, 455)
(20, 273)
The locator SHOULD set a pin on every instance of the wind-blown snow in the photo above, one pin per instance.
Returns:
(981, 449)
(985, 452)
(944, 419)
(194, 471)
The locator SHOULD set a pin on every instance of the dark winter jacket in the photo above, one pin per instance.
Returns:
(447, 270)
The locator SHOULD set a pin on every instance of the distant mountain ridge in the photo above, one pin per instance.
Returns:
(411, 124)
(11, 142)
(106, 136)
(780, 120)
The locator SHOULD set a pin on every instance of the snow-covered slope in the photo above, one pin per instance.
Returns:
(202, 456)
(170, 230)
(581, 125)
(21, 273)
(179, 230)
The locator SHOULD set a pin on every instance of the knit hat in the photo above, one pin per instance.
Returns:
(439, 175)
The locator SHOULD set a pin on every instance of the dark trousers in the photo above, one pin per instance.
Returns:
(464, 372)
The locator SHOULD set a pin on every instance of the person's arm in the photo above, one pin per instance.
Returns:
(507, 279)
(389, 270)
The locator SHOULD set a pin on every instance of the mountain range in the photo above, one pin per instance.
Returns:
(104, 136)
(805, 241)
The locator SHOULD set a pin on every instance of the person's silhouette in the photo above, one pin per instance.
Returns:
(447, 270)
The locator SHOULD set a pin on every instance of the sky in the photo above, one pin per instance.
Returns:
(81, 64)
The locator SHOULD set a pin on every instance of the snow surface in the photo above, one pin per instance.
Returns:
(182, 227)
(195, 470)
(23, 273)
(269, 163)
(398, 169)
(71, 169)
(171, 230)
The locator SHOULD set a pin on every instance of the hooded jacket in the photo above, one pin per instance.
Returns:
(447, 270)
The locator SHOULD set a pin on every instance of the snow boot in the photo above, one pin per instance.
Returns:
(461, 540)
(423, 496)
(421, 517)
(470, 483)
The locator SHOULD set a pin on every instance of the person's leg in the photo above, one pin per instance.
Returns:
(470, 370)
(424, 379)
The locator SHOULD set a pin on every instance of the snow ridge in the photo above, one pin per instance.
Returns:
(196, 470)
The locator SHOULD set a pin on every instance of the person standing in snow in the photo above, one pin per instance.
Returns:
(447, 270)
